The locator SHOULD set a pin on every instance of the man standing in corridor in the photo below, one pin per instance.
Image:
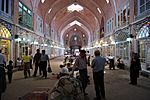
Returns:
(36, 61)
(81, 64)
(43, 63)
(26, 63)
(98, 65)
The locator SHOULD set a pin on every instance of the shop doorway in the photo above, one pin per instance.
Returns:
(5, 47)
(5, 42)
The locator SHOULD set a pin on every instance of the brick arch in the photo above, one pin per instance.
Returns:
(85, 23)
(78, 28)
(88, 20)
(80, 31)
(83, 28)
(56, 3)
(55, 8)
(88, 31)
(79, 41)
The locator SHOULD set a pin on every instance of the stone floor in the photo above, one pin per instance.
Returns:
(116, 85)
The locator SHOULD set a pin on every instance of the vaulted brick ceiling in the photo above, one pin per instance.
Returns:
(59, 17)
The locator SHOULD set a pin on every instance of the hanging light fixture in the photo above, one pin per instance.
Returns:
(99, 10)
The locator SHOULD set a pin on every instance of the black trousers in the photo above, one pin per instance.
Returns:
(37, 65)
(10, 76)
(134, 74)
(111, 64)
(43, 65)
(83, 78)
(99, 84)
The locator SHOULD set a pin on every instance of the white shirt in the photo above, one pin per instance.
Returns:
(64, 70)
(19, 62)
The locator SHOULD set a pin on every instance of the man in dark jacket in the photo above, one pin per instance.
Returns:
(135, 67)
(36, 61)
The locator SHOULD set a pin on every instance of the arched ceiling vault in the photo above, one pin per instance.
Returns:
(75, 27)
(63, 4)
(60, 4)
(65, 30)
(56, 5)
(79, 32)
(60, 17)
(77, 15)
(84, 22)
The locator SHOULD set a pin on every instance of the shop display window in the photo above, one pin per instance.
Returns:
(144, 5)
(25, 16)
(142, 51)
(144, 32)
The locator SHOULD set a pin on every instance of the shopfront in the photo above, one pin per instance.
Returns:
(24, 42)
(143, 47)
(5, 42)
(123, 46)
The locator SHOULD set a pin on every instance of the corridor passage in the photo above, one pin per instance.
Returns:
(116, 84)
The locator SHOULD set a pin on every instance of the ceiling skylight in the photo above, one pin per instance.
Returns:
(75, 23)
(74, 7)
(99, 10)
(49, 10)
(107, 1)
(42, 1)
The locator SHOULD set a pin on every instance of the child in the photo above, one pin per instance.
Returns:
(19, 63)
(10, 70)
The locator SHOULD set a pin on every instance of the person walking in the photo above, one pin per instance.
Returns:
(88, 58)
(43, 63)
(26, 63)
(2, 74)
(98, 64)
(111, 62)
(81, 64)
(36, 61)
(135, 67)
(10, 71)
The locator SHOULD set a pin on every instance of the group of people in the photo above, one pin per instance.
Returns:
(41, 60)
(9, 68)
(98, 65)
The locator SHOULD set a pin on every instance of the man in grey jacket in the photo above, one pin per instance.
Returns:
(98, 65)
